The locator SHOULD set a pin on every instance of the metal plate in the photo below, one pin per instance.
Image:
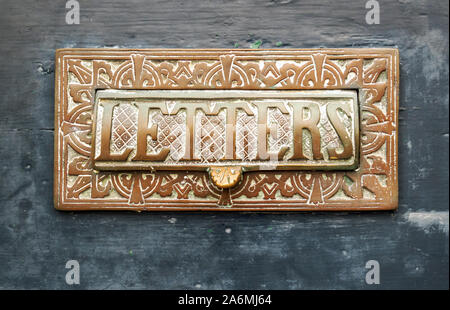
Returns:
(200, 129)
(226, 129)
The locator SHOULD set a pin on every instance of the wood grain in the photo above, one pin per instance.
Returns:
(222, 251)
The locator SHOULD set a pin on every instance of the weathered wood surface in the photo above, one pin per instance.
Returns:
(215, 250)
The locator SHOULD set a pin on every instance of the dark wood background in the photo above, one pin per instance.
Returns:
(194, 250)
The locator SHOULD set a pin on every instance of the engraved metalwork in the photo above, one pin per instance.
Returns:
(83, 73)
(309, 130)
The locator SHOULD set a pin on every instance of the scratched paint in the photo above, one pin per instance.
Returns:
(263, 251)
(429, 220)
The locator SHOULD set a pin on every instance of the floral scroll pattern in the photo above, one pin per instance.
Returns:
(139, 70)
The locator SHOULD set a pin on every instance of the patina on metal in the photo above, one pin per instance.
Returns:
(226, 129)
(203, 129)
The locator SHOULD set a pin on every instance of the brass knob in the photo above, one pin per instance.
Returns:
(225, 177)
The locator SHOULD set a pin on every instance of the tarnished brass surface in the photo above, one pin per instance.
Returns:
(225, 177)
(226, 129)
(195, 130)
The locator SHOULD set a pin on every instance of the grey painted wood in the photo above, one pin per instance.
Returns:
(197, 250)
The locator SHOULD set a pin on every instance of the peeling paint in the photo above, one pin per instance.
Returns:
(311, 251)
(409, 145)
(428, 220)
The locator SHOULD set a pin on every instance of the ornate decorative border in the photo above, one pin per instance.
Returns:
(373, 72)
